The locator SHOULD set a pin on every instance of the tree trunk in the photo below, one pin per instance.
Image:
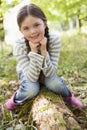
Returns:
(78, 20)
(49, 112)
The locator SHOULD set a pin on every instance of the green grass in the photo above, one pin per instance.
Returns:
(73, 56)
(7, 64)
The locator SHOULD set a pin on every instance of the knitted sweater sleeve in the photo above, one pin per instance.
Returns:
(30, 63)
(51, 60)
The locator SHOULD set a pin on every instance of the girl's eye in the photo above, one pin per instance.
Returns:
(26, 28)
(36, 25)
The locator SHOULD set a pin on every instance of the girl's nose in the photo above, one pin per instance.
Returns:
(33, 31)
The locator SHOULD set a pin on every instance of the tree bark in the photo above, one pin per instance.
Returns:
(78, 20)
(49, 112)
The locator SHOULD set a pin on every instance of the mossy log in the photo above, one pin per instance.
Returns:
(49, 112)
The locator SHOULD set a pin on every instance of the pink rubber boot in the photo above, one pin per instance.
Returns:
(10, 103)
(74, 101)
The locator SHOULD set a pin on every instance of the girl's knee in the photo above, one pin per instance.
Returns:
(27, 91)
(31, 89)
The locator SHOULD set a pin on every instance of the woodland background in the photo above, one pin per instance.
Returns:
(68, 19)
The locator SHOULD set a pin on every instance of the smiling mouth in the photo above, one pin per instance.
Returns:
(34, 37)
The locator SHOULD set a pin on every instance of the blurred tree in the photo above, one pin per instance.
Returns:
(4, 7)
(64, 10)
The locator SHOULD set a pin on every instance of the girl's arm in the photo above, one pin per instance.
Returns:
(52, 57)
(30, 64)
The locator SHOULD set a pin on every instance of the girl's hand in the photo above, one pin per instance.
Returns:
(34, 46)
(43, 48)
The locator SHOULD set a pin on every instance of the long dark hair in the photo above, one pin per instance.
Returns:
(35, 11)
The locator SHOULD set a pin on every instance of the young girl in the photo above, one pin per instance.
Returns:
(37, 53)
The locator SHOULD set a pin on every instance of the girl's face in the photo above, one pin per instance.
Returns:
(33, 28)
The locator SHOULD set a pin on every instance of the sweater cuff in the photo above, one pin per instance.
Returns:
(37, 58)
(46, 62)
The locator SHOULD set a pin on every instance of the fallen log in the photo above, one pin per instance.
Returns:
(49, 112)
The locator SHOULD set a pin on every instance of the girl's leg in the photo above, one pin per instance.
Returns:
(57, 85)
(27, 90)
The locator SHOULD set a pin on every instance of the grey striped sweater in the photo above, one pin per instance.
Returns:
(31, 63)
